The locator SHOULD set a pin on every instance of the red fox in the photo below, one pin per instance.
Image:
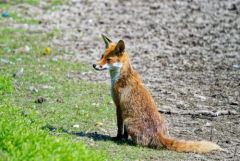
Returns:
(137, 114)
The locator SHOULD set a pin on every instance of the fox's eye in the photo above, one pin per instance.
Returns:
(108, 59)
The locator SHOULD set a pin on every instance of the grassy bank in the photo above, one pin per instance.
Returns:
(21, 138)
(26, 75)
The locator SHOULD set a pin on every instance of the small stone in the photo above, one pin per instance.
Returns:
(95, 104)
(5, 14)
(25, 113)
(47, 87)
(198, 130)
(19, 73)
(40, 100)
(76, 126)
(180, 105)
(24, 49)
(110, 102)
(234, 103)
(98, 124)
(54, 59)
(49, 127)
(33, 89)
(203, 98)
(237, 66)
(232, 7)
(5, 61)
(59, 100)
(208, 124)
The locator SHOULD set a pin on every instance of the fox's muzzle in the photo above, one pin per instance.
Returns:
(99, 67)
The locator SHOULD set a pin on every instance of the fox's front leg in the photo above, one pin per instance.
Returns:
(119, 125)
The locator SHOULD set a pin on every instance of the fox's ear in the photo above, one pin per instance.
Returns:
(106, 40)
(120, 47)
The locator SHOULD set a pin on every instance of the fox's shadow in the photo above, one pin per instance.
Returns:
(91, 135)
(101, 137)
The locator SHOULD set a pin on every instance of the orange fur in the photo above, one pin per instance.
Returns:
(137, 114)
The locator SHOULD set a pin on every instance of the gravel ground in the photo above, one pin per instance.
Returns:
(186, 51)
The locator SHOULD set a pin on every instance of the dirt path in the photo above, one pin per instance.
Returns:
(187, 52)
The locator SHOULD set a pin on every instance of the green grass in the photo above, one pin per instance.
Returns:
(32, 2)
(21, 138)
(11, 2)
(69, 101)
(57, 2)
(21, 19)
(5, 85)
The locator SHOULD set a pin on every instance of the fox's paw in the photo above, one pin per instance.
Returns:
(118, 138)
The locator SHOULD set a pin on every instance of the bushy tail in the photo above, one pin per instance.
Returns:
(187, 146)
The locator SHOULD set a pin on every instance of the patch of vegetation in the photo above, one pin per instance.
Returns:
(5, 6)
(21, 19)
(21, 138)
(32, 2)
(5, 85)
(57, 2)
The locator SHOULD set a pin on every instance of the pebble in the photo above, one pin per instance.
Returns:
(25, 113)
(208, 124)
(203, 98)
(33, 89)
(5, 14)
(95, 104)
(40, 100)
(237, 66)
(6, 61)
(59, 100)
(19, 73)
(46, 87)
(98, 124)
(76, 126)
(24, 49)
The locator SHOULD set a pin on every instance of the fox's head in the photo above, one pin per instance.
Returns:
(113, 57)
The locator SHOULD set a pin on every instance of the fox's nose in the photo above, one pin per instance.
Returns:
(94, 65)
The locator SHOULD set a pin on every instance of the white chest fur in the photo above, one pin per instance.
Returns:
(115, 74)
